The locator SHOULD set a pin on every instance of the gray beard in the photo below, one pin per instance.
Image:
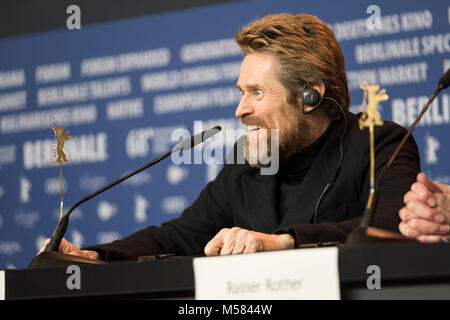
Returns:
(254, 157)
(299, 139)
(298, 136)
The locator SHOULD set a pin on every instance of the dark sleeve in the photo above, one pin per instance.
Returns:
(186, 235)
(397, 181)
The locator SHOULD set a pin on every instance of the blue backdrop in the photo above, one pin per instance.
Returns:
(121, 88)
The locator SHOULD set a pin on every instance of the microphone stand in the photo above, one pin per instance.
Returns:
(51, 257)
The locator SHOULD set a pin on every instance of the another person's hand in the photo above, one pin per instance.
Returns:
(426, 215)
(237, 240)
(69, 248)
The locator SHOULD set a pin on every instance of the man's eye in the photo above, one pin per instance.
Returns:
(258, 92)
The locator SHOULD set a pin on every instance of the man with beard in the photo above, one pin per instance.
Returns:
(294, 88)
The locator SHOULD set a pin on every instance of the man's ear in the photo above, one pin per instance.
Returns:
(320, 88)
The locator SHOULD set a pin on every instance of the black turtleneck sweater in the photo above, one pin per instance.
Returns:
(292, 172)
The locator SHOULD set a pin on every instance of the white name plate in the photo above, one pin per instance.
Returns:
(2, 285)
(290, 274)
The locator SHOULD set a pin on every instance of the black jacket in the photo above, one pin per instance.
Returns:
(240, 196)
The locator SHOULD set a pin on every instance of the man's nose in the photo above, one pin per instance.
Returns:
(244, 107)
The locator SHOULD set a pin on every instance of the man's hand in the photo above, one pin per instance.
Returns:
(236, 240)
(69, 248)
(426, 215)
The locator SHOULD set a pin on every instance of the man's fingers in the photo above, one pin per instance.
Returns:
(443, 187)
(432, 186)
(416, 208)
(237, 240)
(423, 193)
(431, 238)
(214, 246)
(239, 247)
(425, 227)
(409, 196)
(251, 248)
(228, 246)
(44, 245)
(231, 239)
(64, 247)
(240, 244)
(252, 245)
(82, 253)
(443, 202)
(405, 215)
(407, 231)
(67, 247)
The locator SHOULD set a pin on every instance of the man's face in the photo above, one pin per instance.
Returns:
(264, 106)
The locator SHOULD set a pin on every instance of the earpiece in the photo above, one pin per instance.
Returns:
(310, 97)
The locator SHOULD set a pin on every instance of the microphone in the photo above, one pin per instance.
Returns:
(444, 81)
(186, 144)
(364, 233)
(191, 142)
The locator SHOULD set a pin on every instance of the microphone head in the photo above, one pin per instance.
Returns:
(444, 81)
(210, 132)
(191, 142)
